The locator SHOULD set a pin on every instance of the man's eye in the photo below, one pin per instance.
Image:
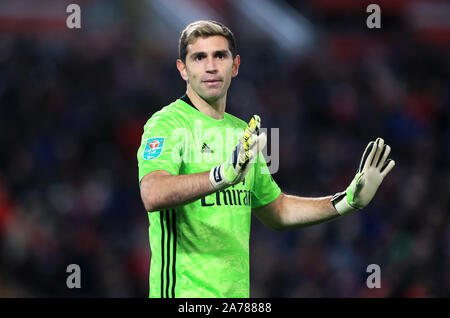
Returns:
(220, 55)
(198, 57)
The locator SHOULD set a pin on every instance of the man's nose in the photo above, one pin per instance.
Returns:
(211, 65)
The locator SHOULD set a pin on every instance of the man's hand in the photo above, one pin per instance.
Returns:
(372, 170)
(236, 167)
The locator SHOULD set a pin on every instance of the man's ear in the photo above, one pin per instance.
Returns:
(236, 63)
(182, 69)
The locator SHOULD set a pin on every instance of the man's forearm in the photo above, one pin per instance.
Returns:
(168, 191)
(295, 211)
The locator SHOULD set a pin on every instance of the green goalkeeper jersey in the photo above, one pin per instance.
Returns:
(201, 249)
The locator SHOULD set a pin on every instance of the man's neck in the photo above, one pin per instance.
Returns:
(214, 110)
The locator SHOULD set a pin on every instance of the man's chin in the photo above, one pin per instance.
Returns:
(212, 96)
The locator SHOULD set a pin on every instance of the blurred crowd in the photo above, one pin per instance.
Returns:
(71, 118)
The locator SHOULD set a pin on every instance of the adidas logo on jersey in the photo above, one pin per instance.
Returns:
(206, 149)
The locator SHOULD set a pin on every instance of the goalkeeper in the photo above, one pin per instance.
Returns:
(200, 191)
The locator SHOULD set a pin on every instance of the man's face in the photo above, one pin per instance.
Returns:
(209, 67)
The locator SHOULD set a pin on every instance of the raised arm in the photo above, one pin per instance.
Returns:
(289, 211)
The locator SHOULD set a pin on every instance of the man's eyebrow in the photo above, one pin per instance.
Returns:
(224, 52)
(201, 53)
(195, 54)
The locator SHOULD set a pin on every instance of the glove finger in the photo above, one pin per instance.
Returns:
(258, 123)
(372, 152)
(242, 153)
(365, 155)
(243, 159)
(261, 141)
(380, 148)
(250, 142)
(253, 125)
(384, 155)
(259, 144)
(387, 167)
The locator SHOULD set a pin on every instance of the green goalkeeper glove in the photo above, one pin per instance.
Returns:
(236, 167)
(372, 170)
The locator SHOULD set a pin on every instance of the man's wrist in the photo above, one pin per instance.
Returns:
(341, 203)
(217, 178)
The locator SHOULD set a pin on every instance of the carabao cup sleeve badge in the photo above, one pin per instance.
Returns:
(153, 148)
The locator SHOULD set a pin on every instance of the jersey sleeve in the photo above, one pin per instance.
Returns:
(161, 146)
(265, 189)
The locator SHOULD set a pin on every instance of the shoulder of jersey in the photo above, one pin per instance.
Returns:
(171, 113)
(237, 120)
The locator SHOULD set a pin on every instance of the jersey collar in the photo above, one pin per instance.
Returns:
(187, 100)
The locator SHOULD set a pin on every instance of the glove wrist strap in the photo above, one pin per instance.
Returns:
(217, 179)
(341, 204)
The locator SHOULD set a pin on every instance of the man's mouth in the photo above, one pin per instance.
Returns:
(211, 82)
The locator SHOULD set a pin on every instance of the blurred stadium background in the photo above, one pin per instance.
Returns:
(73, 104)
